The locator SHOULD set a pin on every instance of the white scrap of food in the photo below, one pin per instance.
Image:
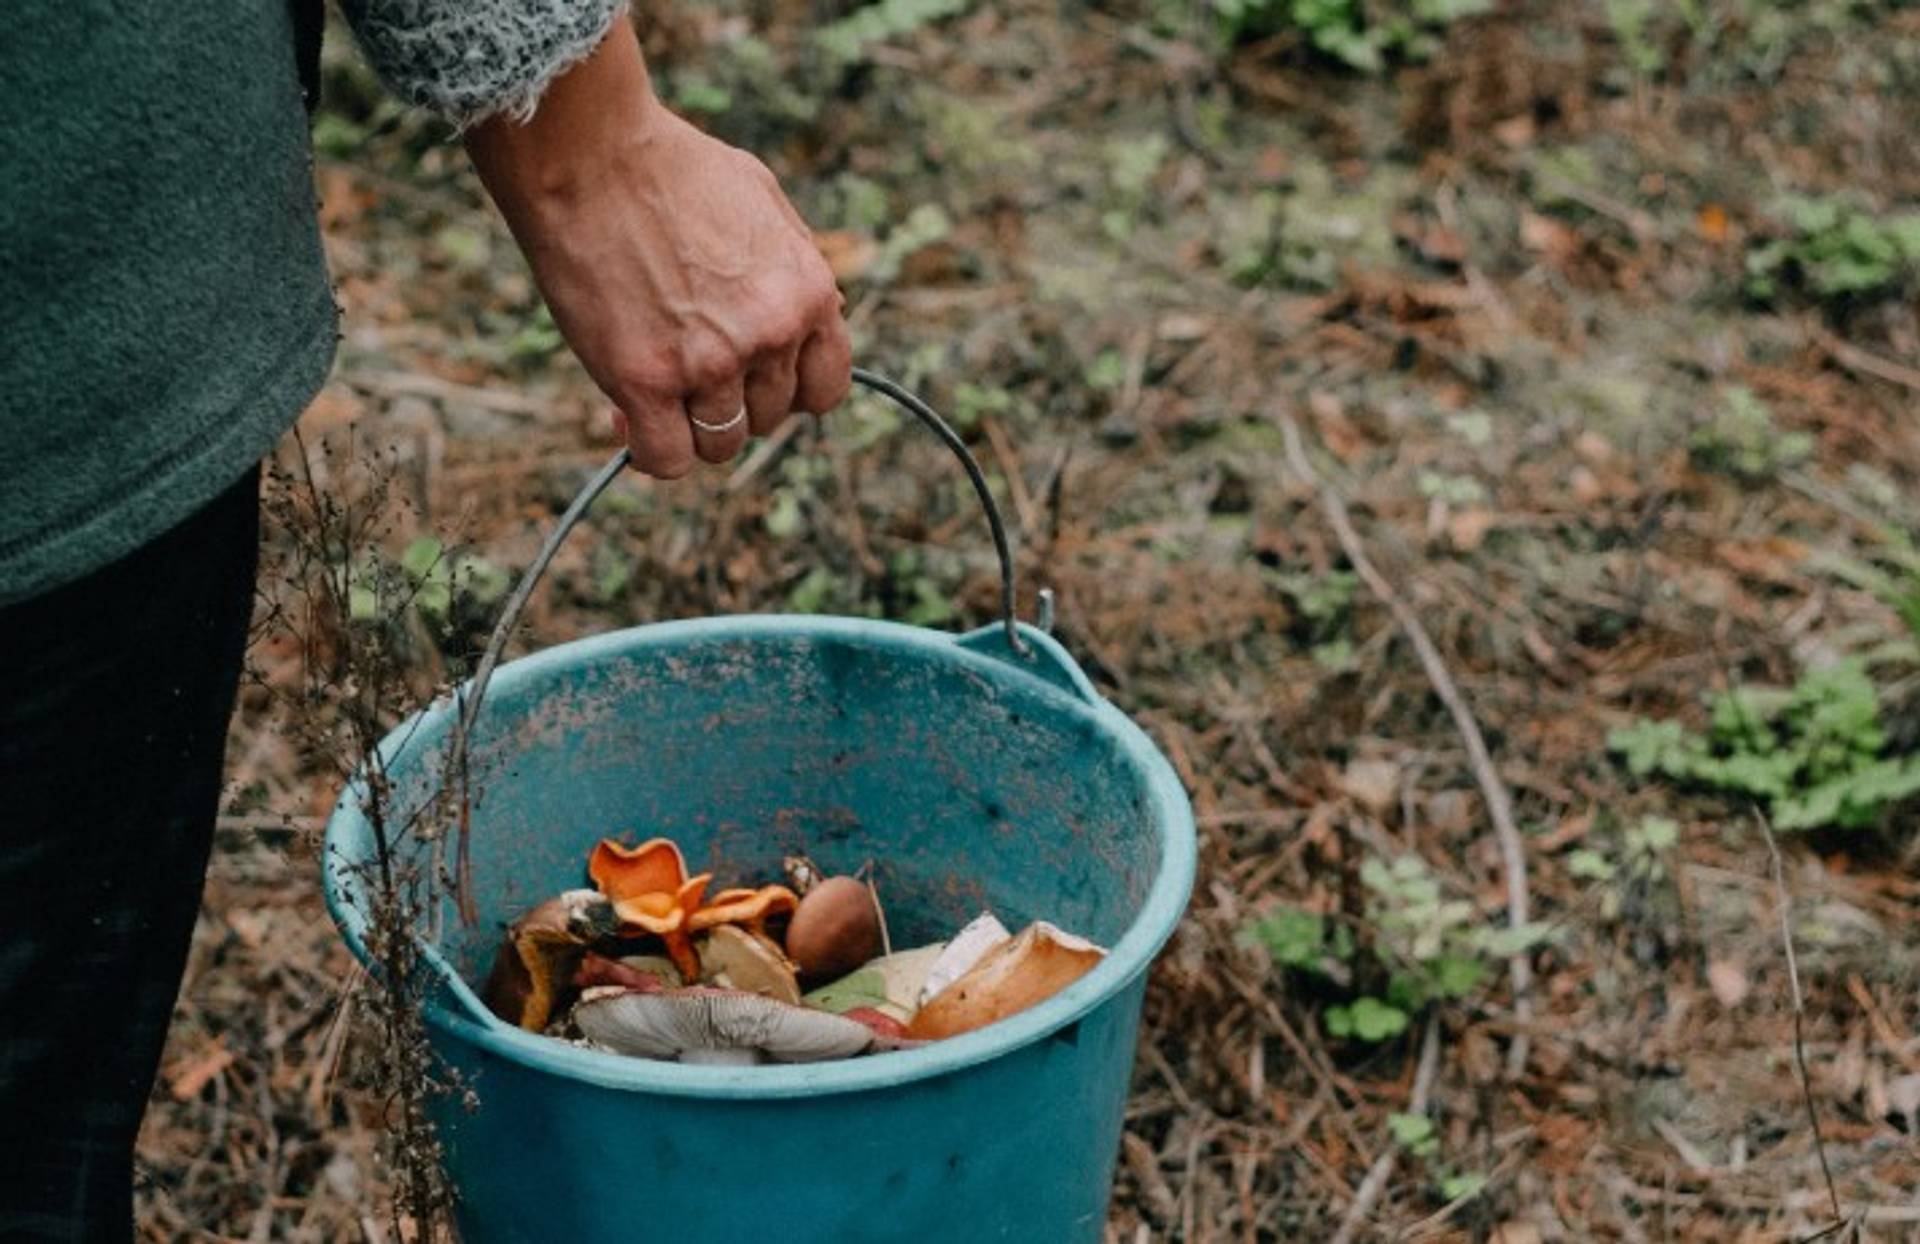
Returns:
(968, 947)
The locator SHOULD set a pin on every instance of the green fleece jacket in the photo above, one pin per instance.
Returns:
(164, 305)
(165, 312)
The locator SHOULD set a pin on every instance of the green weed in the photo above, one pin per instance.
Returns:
(1630, 873)
(1323, 608)
(1834, 249)
(1361, 34)
(440, 592)
(1432, 949)
(1741, 439)
(1892, 574)
(849, 38)
(1812, 754)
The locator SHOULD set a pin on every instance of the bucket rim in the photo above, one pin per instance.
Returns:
(1126, 960)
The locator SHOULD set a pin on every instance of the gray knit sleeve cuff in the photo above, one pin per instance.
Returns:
(470, 59)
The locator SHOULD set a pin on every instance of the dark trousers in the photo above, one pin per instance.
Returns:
(114, 698)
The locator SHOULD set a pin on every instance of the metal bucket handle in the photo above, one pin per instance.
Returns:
(476, 691)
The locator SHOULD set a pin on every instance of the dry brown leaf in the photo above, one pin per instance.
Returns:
(1374, 784)
(1183, 326)
(1514, 132)
(333, 408)
(849, 253)
(1728, 980)
(1468, 529)
(186, 1078)
(1547, 236)
(1712, 223)
(250, 926)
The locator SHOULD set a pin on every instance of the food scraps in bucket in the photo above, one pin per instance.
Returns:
(648, 964)
(725, 1026)
(968, 947)
(1011, 977)
(835, 929)
(539, 955)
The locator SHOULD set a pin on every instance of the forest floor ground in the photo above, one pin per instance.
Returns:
(1620, 422)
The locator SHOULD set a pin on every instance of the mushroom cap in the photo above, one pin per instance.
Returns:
(534, 966)
(835, 929)
(655, 866)
(696, 1024)
(734, 958)
(1031, 968)
(662, 911)
(743, 906)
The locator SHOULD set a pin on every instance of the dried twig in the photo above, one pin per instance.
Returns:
(1799, 1009)
(1854, 359)
(1382, 1169)
(1513, 853)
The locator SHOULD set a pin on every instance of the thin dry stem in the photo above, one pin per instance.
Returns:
(1513, 852)
(1375, 1183)
(1799, 1014)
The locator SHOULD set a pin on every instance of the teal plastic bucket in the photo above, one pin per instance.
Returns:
(976, 772)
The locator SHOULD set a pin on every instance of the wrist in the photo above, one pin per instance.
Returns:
(590, 120)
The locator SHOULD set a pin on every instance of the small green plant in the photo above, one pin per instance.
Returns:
(1810, 754)
(1630, 874)
(1107, 372)
(1324, 606)
(972, 402)
(1361, 34)
(1748, 39)
(1431, 949)
(537, 340)
(1297, 938)
(1834, 249)
(849, 38)
(1891, 572)
(1631, 21)
(440, 592)
(1417, 1134)
(1741, 439)
(1246, 236)
(1451, 489)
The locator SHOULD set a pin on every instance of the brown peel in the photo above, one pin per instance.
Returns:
(1015, 975)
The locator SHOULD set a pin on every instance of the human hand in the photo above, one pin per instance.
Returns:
(673, 264)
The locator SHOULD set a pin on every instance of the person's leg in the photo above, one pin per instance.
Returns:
(114, 698)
